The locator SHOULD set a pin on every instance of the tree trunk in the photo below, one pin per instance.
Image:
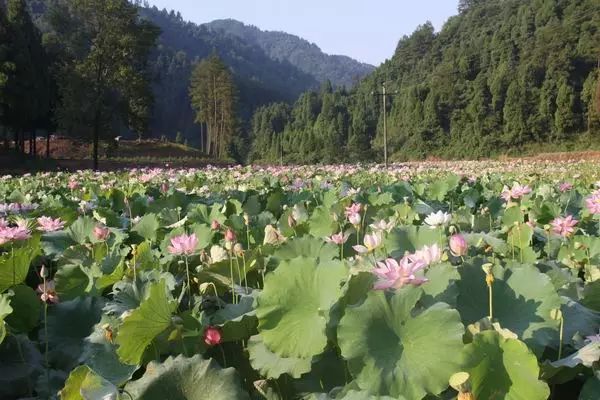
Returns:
(16, 137)
(35, 142)
(96, 140)
(6, 141)
(48, 144)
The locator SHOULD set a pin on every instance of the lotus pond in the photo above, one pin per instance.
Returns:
(424, 281)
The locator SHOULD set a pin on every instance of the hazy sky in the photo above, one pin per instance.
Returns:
(367, 30)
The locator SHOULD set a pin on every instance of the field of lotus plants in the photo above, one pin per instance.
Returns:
(423, 281)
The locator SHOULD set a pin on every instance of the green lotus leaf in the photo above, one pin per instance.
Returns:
(591, 295)
(14, 264)
(410, 238)
(26, 306)
(69, 323)
(503, 369)
(5, 310)
(591, 389)
(441, 287)
(145, 323)
(294, 306)
(85, 384)
(391, 352)
(304, 247)
(183, 378)
(73, 384)
(520, 236)
(271, 365)
(21, 363)
(81, 230)
(321, 223)
(586, 356)
(522, 302)
(72, 282)
(237, 321)
(100, 353)
(580, 321)
(147, 227)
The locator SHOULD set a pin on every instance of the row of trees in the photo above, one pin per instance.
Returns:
(87, 75)
(25, 81)
(499, 77)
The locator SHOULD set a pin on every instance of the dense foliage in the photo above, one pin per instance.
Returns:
(303, 283)
(501, 76)
(308, 57)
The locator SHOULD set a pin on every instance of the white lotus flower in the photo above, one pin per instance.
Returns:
(439, 218)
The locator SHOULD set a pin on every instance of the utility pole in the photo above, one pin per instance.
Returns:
(384, 95)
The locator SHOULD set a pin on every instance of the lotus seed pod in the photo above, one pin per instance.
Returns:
(547, 227)
(44, 272)
(487, 268)
(246, 219)
(466, 396)
(489, 279)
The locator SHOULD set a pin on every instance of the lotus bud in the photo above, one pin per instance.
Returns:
(229, 235)
(44, 272)
(291, 221)
(458, 245)
(215, 225)
(238, 250)
(212, 336)
(229, 246)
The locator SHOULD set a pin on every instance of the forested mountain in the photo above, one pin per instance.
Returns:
(260, 77)
(500, 76)
(308, 57)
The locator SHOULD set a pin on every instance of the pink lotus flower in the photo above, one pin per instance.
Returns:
(230, 236)
(383, 226)
(394, 275)
(372, 242)
(212, 336)
(183, 245)
(73, 184)
(215, 225)
(338, 238)
(48, 292)
(565, 186)
(428, 255)
(101, 233)
(593, 202)
(593, 338)
(516, 192)
(47, 224)
(353, 213)
(458, 245)
(564, 227)
(13, 234)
